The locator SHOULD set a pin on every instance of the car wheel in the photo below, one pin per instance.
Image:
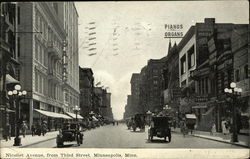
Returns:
(151, 137)
(60, 144)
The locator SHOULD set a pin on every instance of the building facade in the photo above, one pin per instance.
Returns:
(71, 56)
(49, 59)
(135, 93)
(86, 90)
(154, 80)
(171, 86)
(9, 64)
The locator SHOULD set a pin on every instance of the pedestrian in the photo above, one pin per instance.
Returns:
(24, 128)
(44, 129)
(184, 128)
(33, 129)
(8, 132)
(224, 126)
(174, 124)
(213, 129)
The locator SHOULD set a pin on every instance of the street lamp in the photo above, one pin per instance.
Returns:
(76, 109)
(233, 92)
(17, 94)
(148, 116)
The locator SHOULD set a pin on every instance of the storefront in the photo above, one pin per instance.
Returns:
(53, 120)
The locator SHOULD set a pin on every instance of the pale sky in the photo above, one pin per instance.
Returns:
(128, 34)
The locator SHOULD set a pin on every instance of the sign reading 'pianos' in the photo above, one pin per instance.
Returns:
(173, 31)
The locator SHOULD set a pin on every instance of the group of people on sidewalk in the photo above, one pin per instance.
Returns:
(39, 129)
(186, 127)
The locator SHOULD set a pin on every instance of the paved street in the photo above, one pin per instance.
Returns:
(119, 137)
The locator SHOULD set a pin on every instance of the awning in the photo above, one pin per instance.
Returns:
(94, 118)
(74, 115)
(52, 114)
(10, 79)
(10, 111)
(190, 116)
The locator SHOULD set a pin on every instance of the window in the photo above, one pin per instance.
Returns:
(237, 75)
(183, 64)
(38, 51)
(18, 15)
(191, 57)
(18, 46)
(36, 82)
(155, 82)
(229, 77)
(246, 71)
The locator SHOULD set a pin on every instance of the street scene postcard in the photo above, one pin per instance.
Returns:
(124, 79)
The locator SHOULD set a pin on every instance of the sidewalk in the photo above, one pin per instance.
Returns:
(243, 139)
(29, 140)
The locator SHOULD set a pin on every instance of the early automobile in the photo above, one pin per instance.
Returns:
(138, 121)
(160, 127)
(70, 132)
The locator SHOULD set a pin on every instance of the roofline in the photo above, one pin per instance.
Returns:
(186, 38)
(75, 9)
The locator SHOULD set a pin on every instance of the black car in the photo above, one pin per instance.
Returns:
(70, 132)
(160, 127)
(138, 121)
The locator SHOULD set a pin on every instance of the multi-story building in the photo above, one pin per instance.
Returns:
(9, 64)
(71, 56)
(86, 89)
(214, 72)
(128, 108)
(154, 84)
(135, 93)
(143, 90)
(241, 60)
(44, 56)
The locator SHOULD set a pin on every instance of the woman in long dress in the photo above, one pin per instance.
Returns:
(225, 130)
(213, 129)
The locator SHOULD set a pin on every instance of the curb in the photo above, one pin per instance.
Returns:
(237, 144)
(222, 141)
(38, 142)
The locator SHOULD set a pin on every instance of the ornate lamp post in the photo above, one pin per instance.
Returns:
(233, 92)
(148, 116)
(17, 95)
(76, 109)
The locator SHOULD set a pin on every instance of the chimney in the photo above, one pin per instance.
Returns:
(209, 20)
